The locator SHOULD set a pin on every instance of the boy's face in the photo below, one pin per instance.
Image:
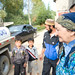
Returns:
(18, 43)
(31, 43)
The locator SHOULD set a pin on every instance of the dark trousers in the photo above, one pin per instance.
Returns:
(47, 64)
(19, 69)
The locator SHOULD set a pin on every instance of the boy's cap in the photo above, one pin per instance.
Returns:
(49, 22)
(67, 21)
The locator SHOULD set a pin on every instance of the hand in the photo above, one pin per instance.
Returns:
(58, 61)
(41, 57)
(13, 66)
(25, 64)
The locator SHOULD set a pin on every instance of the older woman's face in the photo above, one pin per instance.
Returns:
(63, 34)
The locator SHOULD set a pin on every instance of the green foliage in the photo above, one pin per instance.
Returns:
(40, 13)
(39, 28)
(42, 16)
(14, 9)
(18, 19)
(38, 5)
(2, 14)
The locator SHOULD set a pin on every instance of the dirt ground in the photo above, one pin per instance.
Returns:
(38, 44)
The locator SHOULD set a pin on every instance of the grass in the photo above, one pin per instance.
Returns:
(39, 27)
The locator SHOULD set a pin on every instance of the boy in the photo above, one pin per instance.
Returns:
(19, 57)
(33, 57)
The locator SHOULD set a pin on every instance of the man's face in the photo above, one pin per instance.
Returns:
(49, 28)
(63, 34)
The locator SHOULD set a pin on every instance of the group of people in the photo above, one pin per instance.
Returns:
(59, 45)
(58, 48)
(22, 55)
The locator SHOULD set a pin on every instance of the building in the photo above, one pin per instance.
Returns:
(62, 6)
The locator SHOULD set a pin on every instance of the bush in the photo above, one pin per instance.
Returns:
(43, 15)
(39, 27)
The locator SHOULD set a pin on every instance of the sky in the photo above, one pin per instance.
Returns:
(46, 2)
(51, 4)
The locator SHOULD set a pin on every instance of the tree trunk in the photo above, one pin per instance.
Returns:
(29, 14)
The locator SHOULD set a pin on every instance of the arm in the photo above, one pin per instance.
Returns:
(42, 54)
(13, 56)
(26, 56)
(36, 53)
(43, 49)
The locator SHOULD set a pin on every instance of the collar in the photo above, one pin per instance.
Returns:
(70, 43)
(17, 48)
(32, 46)
(68, 47)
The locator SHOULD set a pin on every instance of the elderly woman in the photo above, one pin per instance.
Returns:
(65, 26)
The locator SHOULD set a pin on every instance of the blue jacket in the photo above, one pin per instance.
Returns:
(51, 45)
(50, 51)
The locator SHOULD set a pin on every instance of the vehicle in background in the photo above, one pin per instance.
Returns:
(6, 44)
(24, 31)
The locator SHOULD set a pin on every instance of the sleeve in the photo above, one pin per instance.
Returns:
(43, 44)
(36, 53)
(13, 56)
(70, 70)
(26, 56)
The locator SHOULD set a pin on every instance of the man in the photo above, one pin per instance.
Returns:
(50, 48)
(65, 26)
(72, 8)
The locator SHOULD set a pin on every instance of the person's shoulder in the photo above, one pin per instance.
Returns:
(27, 48)
(72, 58)
(14, 48)
(46, 33)
(72, 53)
(34, 47)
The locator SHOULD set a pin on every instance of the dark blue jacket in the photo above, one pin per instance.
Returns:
(51, 45)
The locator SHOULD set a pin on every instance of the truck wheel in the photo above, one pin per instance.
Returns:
(4, 65)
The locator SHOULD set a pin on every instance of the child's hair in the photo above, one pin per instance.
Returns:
(30, 39)
(18, 39)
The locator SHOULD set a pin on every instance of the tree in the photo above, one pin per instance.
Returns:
(14, 8)
(38, 6)
(40, 13)
(29, 13)
(2, 15)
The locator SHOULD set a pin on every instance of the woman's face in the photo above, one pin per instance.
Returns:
(63, 34)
